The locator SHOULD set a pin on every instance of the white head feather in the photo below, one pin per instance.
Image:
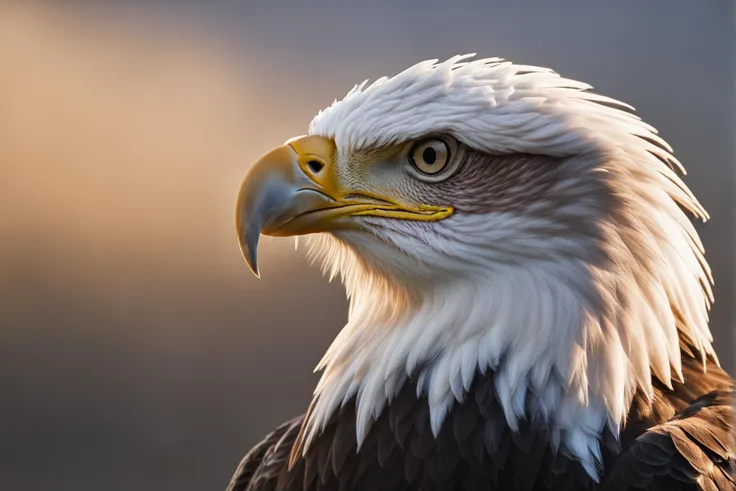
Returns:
(502, 291)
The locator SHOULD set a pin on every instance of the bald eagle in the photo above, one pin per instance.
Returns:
(528, 297)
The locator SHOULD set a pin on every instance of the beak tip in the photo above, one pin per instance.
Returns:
(251, 259)
(248, 239)
(252, 265)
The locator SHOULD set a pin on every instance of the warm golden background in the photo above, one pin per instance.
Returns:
(136, 350)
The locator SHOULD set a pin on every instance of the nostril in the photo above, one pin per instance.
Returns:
(315, 166)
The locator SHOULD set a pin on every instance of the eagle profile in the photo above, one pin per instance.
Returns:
(528, 297)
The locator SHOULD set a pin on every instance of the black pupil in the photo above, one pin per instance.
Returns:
(429, 155)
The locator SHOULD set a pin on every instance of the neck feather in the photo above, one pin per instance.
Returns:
(570, 341)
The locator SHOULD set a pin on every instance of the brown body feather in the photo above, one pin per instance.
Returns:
(682, 440)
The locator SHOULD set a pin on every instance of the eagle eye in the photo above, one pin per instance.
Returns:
(430, 156)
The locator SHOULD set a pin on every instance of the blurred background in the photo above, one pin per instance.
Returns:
(136, 350)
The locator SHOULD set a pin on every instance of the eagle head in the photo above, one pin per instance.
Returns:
(487, 216)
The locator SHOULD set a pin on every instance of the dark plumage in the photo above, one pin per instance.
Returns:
(683, 441)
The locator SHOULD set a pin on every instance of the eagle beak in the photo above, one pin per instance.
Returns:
(294, 190)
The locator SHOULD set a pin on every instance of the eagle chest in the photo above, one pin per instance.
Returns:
(475, 449)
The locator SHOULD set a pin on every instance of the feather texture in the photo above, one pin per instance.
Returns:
(683, 441)
(569, 230)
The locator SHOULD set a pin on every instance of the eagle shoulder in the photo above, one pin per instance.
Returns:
(694, 450)
(265, 463)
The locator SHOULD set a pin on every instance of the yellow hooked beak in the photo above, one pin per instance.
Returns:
(294, 190)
